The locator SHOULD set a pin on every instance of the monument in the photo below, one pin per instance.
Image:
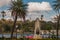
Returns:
(37, 29)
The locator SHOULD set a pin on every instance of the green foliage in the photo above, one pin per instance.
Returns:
(27, 26)
(46, 25)
(56, 5)
(18, 8)
(7, 28)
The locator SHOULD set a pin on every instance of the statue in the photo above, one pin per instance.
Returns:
(37, 29)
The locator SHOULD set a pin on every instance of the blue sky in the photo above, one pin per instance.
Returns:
(26, 1)
(47, 15)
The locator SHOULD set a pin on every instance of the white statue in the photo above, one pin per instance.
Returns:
(37, 29)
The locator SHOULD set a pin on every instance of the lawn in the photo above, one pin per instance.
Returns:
(24, 39)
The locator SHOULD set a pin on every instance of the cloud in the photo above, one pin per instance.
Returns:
(4, 2)
(36, 9)
(36, 6)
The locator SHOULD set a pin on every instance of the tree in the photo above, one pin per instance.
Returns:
(49, 27)
(18, 10)
(7, 28)
(57, 8)
(3, 14)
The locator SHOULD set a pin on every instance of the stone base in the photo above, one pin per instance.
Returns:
(37, 37)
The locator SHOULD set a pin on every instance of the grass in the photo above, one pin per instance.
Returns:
(25, 39)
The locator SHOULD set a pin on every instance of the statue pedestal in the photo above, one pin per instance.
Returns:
(37, 37)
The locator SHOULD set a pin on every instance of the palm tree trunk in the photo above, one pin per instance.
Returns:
(57, 28)
(16, 31)
(58, 25)
(13, 26)
(23, 23)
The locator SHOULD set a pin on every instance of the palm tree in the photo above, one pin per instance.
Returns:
(18, 10)
(3, 14)
(57, 8)
(57, 19)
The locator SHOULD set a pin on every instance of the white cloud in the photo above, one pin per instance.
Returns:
(4, 2)
(36, 6)
(54, 16)
(35, 9)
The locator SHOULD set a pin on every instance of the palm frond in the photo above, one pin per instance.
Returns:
(19, 8)
(56, 5)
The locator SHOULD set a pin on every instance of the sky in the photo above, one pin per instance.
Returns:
(36, 8)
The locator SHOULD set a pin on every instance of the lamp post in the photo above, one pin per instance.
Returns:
(41, 17)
